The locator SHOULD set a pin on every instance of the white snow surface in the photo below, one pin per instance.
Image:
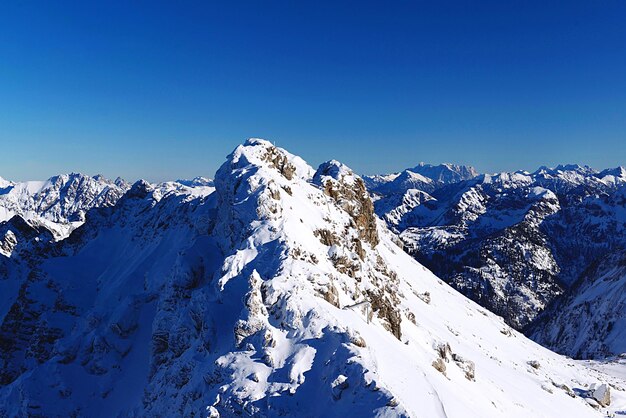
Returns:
(220, 304)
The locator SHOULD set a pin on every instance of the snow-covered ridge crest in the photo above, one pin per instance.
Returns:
(355, 326)
(297, 253)
(246, 184)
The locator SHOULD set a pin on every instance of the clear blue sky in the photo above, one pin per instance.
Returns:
(165, 90)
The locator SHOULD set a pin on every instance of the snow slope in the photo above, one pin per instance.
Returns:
(279, 294)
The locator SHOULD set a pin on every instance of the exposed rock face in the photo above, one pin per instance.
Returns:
(348, 190)
(278, 160)
(468, 366)
(386, 305)
(598, 395)
(445, 354)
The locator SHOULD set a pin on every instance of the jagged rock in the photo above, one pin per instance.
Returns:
(424, 297)
(358, 341)
(444, 351)
(534, 364)
(440, 365)
(468, 366)
(326, 237)
(506, 331)
(348, 190)
(332, 296)
(385, 309)
(565, 388)
(279, 161)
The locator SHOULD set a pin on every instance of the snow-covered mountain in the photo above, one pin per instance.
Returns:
(590, 320)
(423, 176)
(59, 203)
(513, 242)
(18, 236)
(278, 294)
(197, 182)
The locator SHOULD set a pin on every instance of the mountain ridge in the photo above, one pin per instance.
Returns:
(278, 292)
(514, 242)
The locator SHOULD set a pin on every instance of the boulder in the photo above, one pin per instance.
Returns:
(601, 393)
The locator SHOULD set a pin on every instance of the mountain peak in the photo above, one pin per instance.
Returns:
(619, 172)
(565, 168)
(139, 190)
(197, 181)
(258, 141)
(5, 183)
(334, 170)
(446, 172)
(263, 154)
(425, 177)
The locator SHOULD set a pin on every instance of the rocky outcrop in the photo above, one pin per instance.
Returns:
(348, 190)
(445, 355)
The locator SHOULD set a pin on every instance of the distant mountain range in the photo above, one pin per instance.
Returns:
(518, 242)
(60, 202)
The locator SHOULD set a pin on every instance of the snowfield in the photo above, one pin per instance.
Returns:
(277, 293)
